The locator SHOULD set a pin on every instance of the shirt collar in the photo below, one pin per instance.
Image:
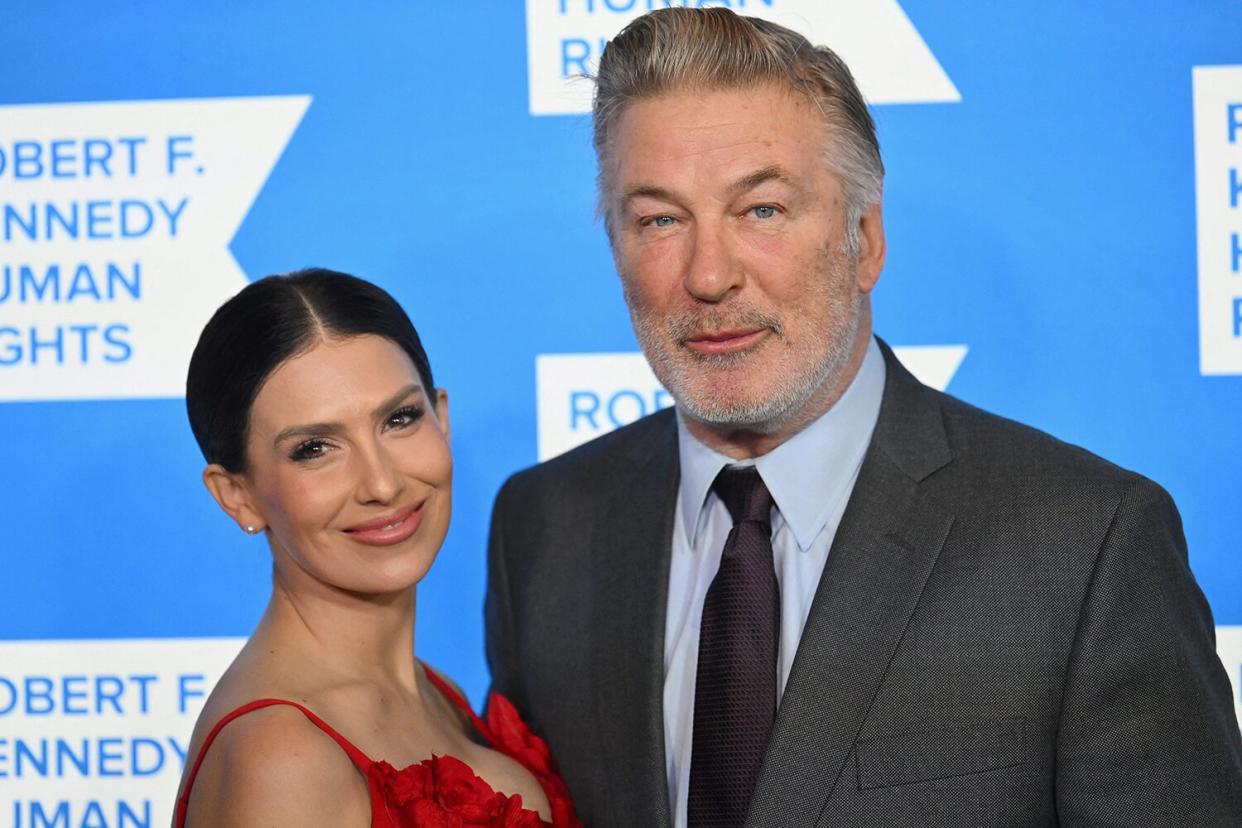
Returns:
(808, 473)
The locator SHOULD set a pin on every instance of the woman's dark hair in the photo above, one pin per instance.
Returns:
(268, 322)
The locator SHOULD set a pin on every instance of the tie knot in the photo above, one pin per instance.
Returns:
(744, 495)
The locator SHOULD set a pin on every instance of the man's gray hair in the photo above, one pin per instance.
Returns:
(678, 49)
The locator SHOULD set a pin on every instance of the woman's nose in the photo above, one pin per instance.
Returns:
(379, 480)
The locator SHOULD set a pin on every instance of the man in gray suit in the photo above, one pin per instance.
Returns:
(820, 593)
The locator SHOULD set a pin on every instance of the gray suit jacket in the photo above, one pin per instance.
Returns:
(1006, 634)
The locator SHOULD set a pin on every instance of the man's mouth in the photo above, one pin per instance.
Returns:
(727, 341)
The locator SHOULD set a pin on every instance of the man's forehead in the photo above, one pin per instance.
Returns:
(742, 183)
(720, 123)
(692, 111)
(727, 159)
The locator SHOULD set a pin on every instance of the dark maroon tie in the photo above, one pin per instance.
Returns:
(735, 687)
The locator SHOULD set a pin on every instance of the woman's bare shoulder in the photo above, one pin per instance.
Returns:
(275, 766)
(237, 686)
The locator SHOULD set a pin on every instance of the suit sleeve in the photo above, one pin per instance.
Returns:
(1148, 734)
(502, 658)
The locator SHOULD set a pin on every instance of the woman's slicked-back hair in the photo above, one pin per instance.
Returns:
(268, 322)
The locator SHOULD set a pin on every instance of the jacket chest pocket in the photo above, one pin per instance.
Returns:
(941, 752)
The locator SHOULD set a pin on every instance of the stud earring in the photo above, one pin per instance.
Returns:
(250, 530)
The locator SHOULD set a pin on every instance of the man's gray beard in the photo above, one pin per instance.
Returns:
(787, 399)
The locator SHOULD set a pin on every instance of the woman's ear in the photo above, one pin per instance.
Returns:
(442, 412)
(233, 496)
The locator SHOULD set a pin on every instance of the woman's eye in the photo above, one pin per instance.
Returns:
(403, 417)
(763, 211)
(309, 450)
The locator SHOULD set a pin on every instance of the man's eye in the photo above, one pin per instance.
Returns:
(662, 221)
(763, 211)
(309, 450)
(403, 417)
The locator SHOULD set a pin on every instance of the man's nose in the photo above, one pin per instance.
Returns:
(712, 271)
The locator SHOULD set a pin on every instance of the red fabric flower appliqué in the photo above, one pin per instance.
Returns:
(443, 792)
(507, 732)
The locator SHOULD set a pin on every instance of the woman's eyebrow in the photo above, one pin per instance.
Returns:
(309, 430)
(328, 429)
(389, 404)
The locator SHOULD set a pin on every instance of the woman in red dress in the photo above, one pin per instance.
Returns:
(313, 402)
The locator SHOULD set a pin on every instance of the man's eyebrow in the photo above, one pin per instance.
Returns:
(328, 429)
(743, 184)
(763, 176)
(646, 191)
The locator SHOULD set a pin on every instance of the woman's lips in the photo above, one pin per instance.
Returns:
(725, 342)
(385, 531)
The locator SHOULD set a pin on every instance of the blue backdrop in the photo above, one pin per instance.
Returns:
(1046, 221)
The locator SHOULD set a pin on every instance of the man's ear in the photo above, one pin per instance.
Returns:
(872, 247)
(232, 493)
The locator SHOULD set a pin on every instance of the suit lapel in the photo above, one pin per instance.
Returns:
(631, 549)
(884, 550)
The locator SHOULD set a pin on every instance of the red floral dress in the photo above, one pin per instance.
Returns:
(440, 792)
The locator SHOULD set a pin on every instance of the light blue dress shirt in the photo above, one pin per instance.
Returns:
(810, 477)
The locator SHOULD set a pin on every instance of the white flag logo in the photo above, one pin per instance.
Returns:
(115, 222)
(890, 61)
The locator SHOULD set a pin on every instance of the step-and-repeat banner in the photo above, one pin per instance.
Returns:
(1063, 202)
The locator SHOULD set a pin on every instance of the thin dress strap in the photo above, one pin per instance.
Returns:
(360, 759)
(459, 701)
